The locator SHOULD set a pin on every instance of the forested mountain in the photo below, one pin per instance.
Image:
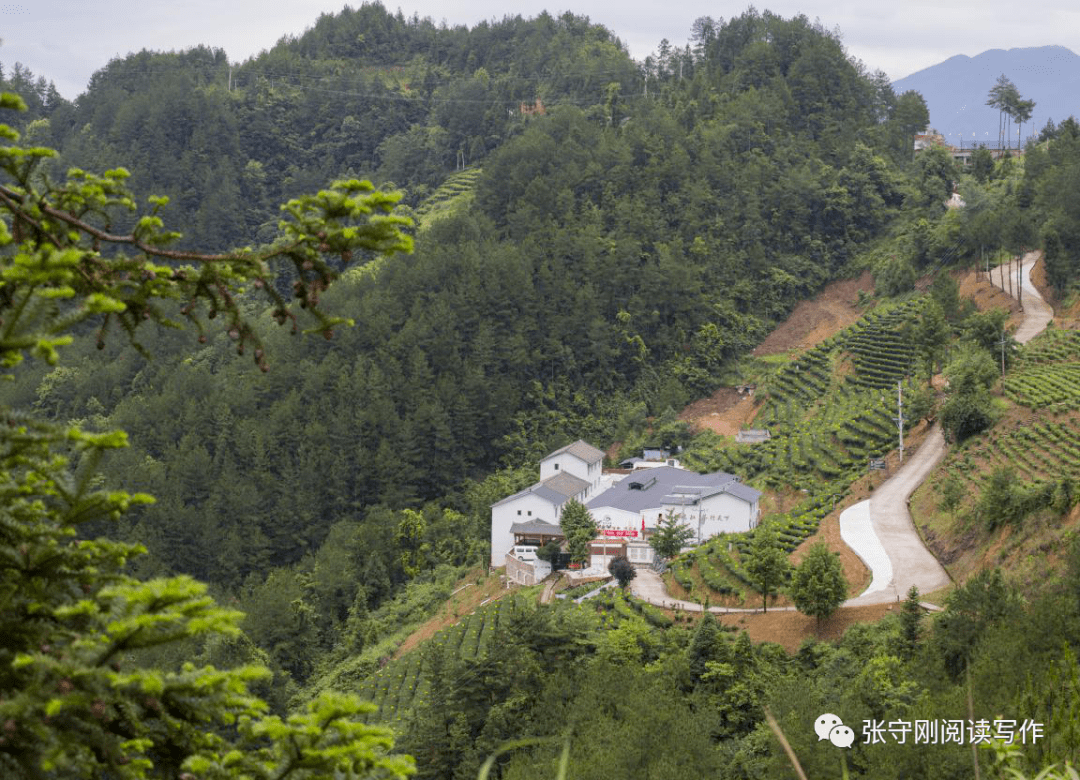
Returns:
(623, 234)
(626, 242)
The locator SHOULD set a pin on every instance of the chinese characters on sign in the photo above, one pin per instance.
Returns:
(943, 732)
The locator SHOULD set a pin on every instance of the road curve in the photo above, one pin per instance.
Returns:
(1037, 312)
(880, 530)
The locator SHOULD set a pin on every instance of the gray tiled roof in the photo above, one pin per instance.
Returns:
(662, 484)
(556, 490)
(539, 527)
(659, 483)
(580, 449)
(745, 492)
(566, 483)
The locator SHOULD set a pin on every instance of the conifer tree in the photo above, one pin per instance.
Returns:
(670, 537)
(78, 698)
(910, 623)
(818, 585)
(767, 564)
(579, 528)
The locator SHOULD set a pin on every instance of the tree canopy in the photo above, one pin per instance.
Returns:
(818, 585)
(766, 563)
(81, 698)
(578, 528)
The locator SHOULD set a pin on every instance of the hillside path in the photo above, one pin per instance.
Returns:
(1037, 312)
(881, 531)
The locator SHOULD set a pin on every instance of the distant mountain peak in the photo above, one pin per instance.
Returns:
(956, 90)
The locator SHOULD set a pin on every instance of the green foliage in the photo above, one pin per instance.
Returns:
(81, 698)
(703, 645)
(910, 624)
(894, 276)
(766, 563)
(953, 491)
(970, 611)
(935, 173)
(1005, 500)
(967, 410)
(965, 414)
(578, 528)
(818, 585)
(622, 570)
(670, 536)
(932, 335)
(982, 164)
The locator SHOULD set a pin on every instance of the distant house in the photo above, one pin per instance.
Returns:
(626, 511)
(708, 503)
(572, 472)
(536, 109)
(651, 457)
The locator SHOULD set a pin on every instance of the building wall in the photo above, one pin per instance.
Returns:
(640, 554)
(717, 514)
(564, 462)
(525, 572)
(609, 517)
(601, 553)
(525, 507)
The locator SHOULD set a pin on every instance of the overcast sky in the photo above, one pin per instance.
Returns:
(67, 40)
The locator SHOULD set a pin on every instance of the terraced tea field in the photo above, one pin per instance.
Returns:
(405, 682)
(1047, 372)
(452, 195)
(828, 412)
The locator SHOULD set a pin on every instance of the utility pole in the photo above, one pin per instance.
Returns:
(1003, 342)
(1020, 278)
(900, 417)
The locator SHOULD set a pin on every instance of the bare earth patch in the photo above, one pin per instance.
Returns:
(790, 629)
(467, 597)
(858, 576)
(725, 412)
(813, 321)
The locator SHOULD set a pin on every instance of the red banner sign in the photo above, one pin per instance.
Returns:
(609, 532)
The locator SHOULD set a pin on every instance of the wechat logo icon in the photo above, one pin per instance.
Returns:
(830, 727)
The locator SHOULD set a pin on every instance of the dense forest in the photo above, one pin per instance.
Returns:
(596, 243)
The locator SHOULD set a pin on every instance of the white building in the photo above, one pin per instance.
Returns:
(572, 472)
(708, 503)
(626, 512)
(582, 460)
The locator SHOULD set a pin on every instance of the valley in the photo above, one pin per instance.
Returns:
(280, 338)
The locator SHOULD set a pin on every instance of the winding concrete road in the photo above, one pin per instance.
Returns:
(880, 530)
(1037, 312)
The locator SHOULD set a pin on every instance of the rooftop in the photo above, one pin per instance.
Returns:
(556, 490)
(582, 450)
(650, 489)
